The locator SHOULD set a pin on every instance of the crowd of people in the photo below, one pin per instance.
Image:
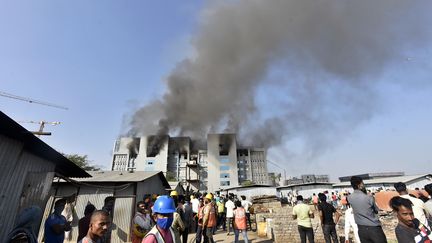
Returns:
(361, 215)
(158, 218)
(172, 218)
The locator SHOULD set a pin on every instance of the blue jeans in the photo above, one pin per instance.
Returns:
(236, 235)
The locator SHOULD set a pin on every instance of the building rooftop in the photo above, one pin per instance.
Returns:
(33, 144)
(122, 176)
(386, 180)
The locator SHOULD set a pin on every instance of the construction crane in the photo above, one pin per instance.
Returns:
(41, 127)
(4, 94)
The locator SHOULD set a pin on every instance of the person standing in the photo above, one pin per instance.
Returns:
(84, 222)
(229, 205)
(25, 228)
(200, 228)
(240, 222)
(221, 212)
(195, 207)
(99, 225)
(365, 213)
(141, 222)
(162, 232)
(188, 219)
(350, 223)
(303, 214)
(418, 205)
(56, 224)
(409, 228)
(428, 203)
(315, 201)
(326, 212)
(246, 204)
(209, 220)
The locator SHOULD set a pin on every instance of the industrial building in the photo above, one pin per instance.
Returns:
(189, 162)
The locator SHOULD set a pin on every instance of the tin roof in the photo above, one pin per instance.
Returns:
(122, 176)
(13, 130)
(306, 184)
(386, 180)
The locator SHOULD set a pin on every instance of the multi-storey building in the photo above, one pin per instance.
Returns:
(219, 165)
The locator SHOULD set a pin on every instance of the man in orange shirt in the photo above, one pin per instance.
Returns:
(209, 220)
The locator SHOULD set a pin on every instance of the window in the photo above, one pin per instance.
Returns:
(224, 175)
(117, 146)
(224, 183)
(224, 167)
(224, 159)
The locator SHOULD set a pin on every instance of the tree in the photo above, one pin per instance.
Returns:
(247, 183)
(171, 176)
(82, 161)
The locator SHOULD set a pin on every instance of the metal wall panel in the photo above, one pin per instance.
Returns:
(15, 164)
(87, 194)
(122, 219)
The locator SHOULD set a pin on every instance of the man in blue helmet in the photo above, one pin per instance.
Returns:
(162, 232)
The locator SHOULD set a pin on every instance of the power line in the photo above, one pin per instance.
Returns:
(12, 96)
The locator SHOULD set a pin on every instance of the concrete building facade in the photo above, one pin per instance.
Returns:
(217, 165)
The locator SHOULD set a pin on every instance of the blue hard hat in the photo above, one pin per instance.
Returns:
(164, 204)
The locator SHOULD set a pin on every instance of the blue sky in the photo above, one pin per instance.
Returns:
(103, 59)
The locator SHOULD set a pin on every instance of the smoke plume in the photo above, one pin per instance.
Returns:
(279, 70)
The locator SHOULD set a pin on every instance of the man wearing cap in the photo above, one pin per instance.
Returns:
(162, 232)
(209, 220)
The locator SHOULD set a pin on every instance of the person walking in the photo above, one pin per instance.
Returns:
(162, 232)
(365, 213)
(240, 224)
(303, 214)
(326, 212)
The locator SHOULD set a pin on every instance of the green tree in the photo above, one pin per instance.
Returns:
(247, 183)
(82, 161)
(171, 176)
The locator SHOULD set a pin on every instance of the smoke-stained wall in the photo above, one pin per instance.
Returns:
(222, 161)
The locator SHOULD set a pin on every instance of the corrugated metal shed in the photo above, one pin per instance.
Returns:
(27, 167)
(32, 144)
(122, 176)
(387, 180)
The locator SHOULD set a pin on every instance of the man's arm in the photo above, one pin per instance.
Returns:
(206, 216)
(294, 215)
(337, 216)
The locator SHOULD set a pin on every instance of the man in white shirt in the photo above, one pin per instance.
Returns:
(195, 207)
(418, 205)
(246, 204)
(229, 205)
(350, 223)
(428, 204)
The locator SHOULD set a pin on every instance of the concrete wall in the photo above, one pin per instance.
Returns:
(306, 190)
(215, 161)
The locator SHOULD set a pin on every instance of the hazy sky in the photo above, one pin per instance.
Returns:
(104, 60)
